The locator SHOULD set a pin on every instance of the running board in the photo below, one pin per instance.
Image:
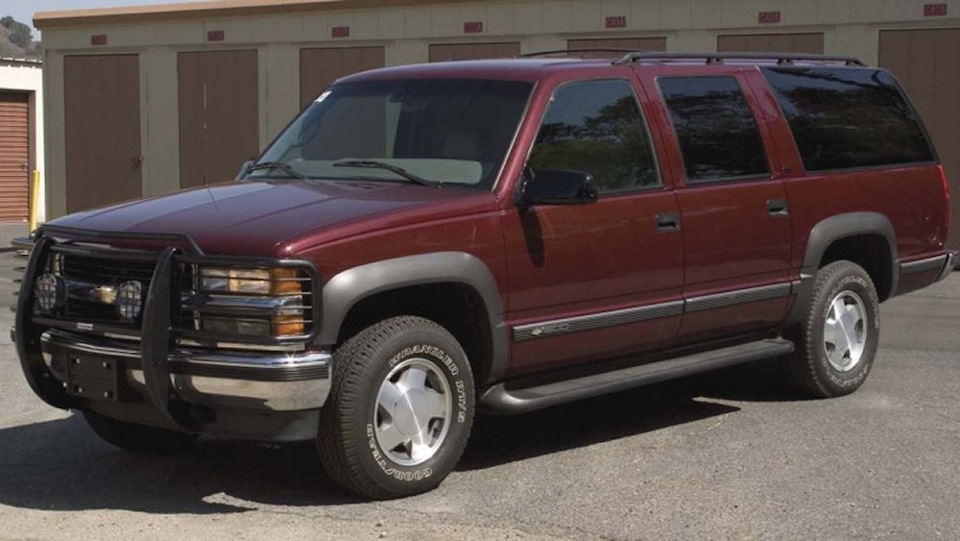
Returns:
(499, 399)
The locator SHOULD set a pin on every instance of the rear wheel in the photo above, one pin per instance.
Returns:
(400, 409)
(837, 340)
(136, 438)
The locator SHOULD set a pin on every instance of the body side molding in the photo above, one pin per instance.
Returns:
(832, 229)
(349, 287)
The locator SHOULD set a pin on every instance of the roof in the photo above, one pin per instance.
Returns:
(534, 68)
(517, 69)
(205, 9)
(35, 62)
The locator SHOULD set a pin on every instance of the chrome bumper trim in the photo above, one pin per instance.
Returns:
(953, 258)
(273, 381)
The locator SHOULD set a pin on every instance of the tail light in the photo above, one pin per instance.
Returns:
(946, 197)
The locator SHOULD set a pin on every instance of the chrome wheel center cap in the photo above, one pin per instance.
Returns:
(410, 418)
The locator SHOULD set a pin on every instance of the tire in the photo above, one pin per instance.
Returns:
(140, 439)
(830, 361)
(374, 370)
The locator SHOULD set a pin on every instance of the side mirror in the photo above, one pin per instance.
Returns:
(244, 169)
(557, 187)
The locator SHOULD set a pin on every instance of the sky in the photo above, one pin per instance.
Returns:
(23, 10)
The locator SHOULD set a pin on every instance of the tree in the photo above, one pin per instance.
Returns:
(20, 34)
(19, 37)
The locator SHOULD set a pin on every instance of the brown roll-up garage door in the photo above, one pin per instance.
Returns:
(925, 63)
(810, 43)
(219, 114)
(14, 156)
(629, 44)
(319, 68)
(102, 131)
(441, 52)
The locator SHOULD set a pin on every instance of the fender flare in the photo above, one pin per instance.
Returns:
(832, 229)
(342, 292)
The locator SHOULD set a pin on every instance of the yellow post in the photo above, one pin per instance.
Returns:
(34, 196)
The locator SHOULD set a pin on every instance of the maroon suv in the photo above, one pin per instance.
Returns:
(427, 241)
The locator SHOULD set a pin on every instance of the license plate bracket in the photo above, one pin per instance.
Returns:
(93, 378)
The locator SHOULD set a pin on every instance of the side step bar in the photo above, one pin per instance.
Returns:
(500, 399)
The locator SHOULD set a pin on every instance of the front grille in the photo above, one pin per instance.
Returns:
(104, 271)
(98, 273)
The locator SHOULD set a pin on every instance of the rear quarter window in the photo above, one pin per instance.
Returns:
(845, 118)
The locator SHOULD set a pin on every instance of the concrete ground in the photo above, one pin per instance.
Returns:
(730, 455)
(10, 231)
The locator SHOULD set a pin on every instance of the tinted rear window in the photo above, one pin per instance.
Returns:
(715, 127)
(845, 118)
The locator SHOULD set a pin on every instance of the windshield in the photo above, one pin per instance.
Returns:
(445, 131)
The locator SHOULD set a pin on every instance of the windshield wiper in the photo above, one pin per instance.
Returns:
(277, 165)
(373, 164)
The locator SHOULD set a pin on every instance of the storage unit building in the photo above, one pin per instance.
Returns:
(21, 135)
(198, 88)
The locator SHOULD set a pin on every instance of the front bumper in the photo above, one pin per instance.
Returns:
(264, 381)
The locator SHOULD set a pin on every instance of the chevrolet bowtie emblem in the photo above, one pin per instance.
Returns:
(105, 294)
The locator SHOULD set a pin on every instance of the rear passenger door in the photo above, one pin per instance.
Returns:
(733, 204)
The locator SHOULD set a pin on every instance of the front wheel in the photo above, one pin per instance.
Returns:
(400, 409)
(838, 337)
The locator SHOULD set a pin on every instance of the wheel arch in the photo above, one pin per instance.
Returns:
(835, 229)
(348, 289)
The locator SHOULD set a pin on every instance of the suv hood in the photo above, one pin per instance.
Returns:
(256, 218)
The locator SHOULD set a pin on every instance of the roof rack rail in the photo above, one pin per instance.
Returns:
(578, 51)
(783, 59)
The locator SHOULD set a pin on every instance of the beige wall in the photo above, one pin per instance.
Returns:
(850, 27)
(29, 78)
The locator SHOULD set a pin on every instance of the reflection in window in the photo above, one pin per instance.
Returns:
(848, 117)
(596, 127)
(716, 129)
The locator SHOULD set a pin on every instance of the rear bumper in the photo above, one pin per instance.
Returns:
(921, 273)
(268, 382)
(940, 266)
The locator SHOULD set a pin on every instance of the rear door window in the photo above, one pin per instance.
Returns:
(847, 118)
(596, 127)
(716, 129)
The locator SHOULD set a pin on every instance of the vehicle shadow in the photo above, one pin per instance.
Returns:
(61, 465)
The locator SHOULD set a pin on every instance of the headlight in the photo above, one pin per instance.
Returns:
(273, 302)
(283, 281)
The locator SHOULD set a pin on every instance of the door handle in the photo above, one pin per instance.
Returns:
(778, 207)
(667, 223)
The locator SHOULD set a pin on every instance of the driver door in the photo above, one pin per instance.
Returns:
(594, 280)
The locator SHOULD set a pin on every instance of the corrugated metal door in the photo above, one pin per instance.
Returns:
(219, 114)
(811, 43)
(319, 68)
(14, 156)
(631, 44)
(441, 52)
(925, 63)
(102, 131)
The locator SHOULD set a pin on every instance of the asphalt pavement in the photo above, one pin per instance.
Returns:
(728, 455)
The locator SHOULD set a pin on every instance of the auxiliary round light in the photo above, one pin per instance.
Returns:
(130, 300)
(49, 291)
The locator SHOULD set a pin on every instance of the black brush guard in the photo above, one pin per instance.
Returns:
(155, 341)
